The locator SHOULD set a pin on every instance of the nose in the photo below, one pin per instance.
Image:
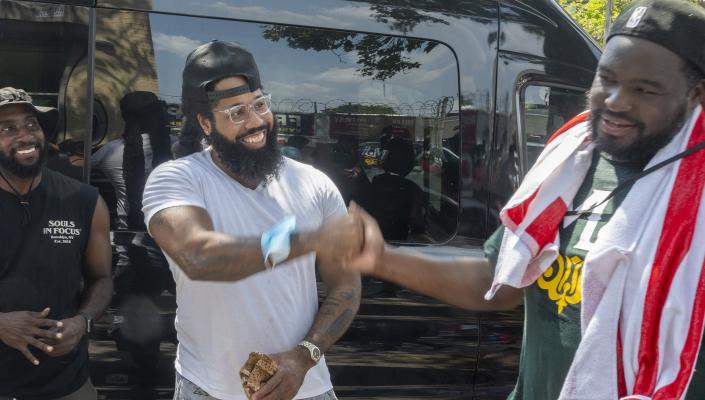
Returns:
(618, 100)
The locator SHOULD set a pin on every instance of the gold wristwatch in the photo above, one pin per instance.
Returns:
(313, 350)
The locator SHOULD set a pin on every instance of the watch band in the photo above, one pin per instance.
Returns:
(313, 350)
(276, 242)
(89, 321)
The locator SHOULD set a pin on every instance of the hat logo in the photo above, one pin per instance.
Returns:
(636, 17)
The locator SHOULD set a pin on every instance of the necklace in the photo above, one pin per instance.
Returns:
(23, 198)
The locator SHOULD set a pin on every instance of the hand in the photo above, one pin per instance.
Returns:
(339, 239)
(292, 366)
(21, 329)
(368, 260)
(71, 332)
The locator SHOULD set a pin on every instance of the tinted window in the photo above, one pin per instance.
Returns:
(378, 114)
(43, 50)
(544, 110)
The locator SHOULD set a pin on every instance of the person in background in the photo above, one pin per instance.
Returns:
(54, 262)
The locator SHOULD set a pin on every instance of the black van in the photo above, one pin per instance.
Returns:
(472, 86)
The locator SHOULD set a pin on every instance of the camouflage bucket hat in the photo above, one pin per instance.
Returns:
(47, 116)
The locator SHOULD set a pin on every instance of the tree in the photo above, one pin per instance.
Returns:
(590, 14)
(381, 57)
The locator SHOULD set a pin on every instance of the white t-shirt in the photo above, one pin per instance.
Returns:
(220, 323)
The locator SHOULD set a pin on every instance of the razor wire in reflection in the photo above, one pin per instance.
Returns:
(430, 108)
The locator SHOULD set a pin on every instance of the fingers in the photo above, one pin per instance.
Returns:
(269, 387)
(41, 314)
(363, 214)
(27, 354)
(40, 345)
(49, 323)
(45, 333)
(42, 320)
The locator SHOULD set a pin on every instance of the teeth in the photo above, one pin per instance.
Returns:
(26, 151)
(253, 138)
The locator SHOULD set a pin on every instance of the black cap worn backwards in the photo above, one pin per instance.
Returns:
(674, 24)
(217, 60)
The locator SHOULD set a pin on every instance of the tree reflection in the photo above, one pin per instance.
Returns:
(379, 57)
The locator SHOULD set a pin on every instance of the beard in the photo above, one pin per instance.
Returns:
(642, 147)
(260, 166)
(9, 163)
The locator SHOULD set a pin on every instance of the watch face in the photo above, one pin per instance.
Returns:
(315, 353)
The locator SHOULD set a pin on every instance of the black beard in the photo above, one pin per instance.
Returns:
(257, 166)
(643, 148)
(10, 164)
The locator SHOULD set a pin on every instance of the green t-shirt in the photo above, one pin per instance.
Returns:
(552, 303)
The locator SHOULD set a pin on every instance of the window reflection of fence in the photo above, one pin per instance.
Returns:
(428, 108)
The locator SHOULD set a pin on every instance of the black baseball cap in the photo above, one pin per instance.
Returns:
(676, 25)
(47, 116)
(214, 61)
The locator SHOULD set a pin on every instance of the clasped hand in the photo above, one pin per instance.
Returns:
(24, 329)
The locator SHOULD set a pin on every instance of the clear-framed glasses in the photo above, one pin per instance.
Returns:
(238, 113)
(9, 129)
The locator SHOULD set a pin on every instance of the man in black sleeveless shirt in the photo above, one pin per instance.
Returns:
(54, 262)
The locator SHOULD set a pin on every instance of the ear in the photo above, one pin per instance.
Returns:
(698, 93)
(205, 123)
(700, 89)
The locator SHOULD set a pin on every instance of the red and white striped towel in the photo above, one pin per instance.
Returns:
(643, 284)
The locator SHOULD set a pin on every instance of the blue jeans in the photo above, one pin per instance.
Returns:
(187, 390)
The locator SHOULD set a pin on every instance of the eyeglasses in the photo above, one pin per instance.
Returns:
(238, 113)
(9, 130)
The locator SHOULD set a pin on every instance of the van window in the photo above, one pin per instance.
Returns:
(378, 114)
(545, 109)
(43, 51)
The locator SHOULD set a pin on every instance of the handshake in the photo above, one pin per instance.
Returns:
(353, 241)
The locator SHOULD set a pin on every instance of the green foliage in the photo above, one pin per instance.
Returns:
(590, 14)
(379, 57)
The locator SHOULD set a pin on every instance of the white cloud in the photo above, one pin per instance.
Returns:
(341, 76)
(422, 75)
(349, 12)
(176, 44)
(304, 90)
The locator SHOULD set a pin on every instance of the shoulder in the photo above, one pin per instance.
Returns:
(186, 167)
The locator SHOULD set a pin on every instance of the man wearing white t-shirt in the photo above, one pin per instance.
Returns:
(243, 229)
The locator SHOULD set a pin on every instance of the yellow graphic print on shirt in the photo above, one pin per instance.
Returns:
(562, 281)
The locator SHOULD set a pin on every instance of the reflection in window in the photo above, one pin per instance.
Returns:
(42, 46)
(545, 109)
(378, 114)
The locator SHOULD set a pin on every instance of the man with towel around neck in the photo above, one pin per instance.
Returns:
(603, 241)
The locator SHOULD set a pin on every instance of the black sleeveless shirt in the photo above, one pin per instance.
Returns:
(41, 266)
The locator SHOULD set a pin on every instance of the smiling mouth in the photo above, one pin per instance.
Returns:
(253, 138)
(616, 127)
(23, 151)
